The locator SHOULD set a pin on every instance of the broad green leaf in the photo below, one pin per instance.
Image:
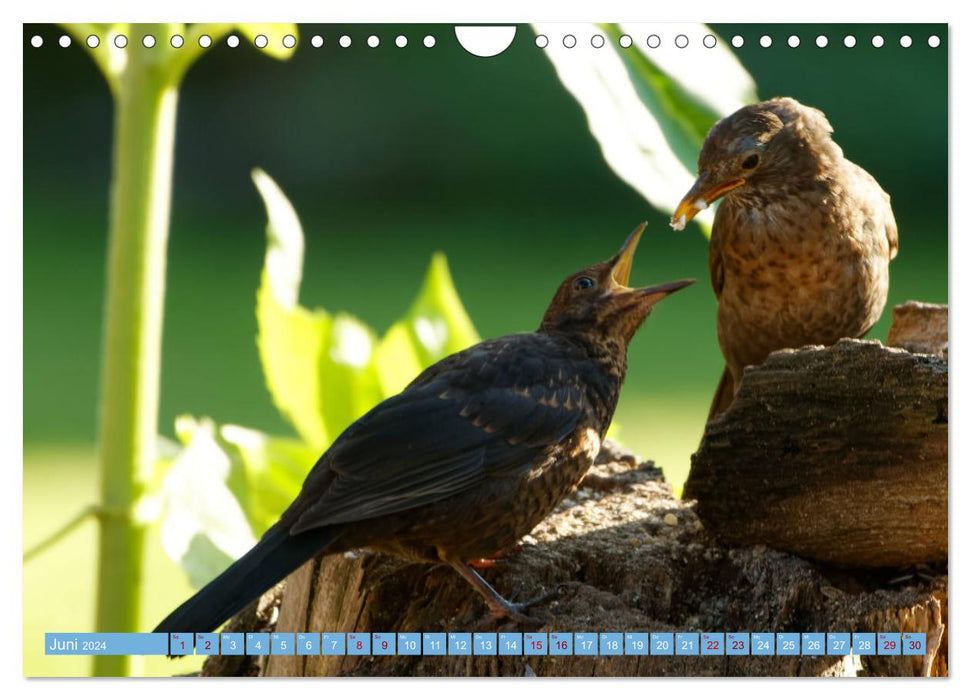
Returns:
(291, 339)
(224, 485)
(650, 109)
(272, 472)
(324, 371)
(203, 525)
(436, 326)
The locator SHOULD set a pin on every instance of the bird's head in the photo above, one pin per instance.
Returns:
(759, 153)
(597, 303)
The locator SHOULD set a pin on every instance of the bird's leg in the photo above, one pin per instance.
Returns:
(489, 562)
(498, 606)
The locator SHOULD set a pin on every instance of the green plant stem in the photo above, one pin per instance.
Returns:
(144, 139)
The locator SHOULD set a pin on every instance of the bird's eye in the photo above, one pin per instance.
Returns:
(751, 161)
(581, 283)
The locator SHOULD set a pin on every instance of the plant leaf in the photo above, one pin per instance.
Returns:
(274, 33)
(435, 326)
(203, 526)
(650, 109)
(291, 339)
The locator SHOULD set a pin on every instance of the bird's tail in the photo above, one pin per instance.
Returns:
(268, 562)
(724, 395)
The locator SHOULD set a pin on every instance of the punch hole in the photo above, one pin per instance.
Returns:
(821, 41)
(933, 41)
(428, 41)
(738, 41)
(289, 41)
(793, 41)
(92, 41)
(877, 41)
(765, 41)
(542, 41)
(681, 41)
(569, 41)
(64, 41)
(121, 41)
(625, 41)
(849, 41)
(344, 41)
(709, 41)
(232, 41)
(401, 41)
(316, 41)
(205, 41)
(261, 41)
(906, 41)
(653, 41)
(597, 41)
(36, 41)
(148, 41)
(484, 42)
(373, 41)
(177, 41)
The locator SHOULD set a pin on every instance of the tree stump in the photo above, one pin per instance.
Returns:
(836, 454)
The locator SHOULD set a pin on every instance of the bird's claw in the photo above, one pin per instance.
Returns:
(516, 611)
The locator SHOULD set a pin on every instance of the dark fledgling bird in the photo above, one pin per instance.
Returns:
(802, 241)
(475, 452)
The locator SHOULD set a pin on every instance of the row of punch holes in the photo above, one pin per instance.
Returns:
(570, 41)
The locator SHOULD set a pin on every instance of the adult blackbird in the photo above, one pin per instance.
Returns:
(802, 243)
(476, 451)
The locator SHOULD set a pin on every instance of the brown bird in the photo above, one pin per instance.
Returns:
(802, 243)
(475, 452)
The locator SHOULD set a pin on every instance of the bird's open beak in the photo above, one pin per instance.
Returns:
(624, 260)
(620, 272)
(699, 197)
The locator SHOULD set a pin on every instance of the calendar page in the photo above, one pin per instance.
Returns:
(552, 349)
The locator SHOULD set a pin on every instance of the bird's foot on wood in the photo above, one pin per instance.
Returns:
(500, 608)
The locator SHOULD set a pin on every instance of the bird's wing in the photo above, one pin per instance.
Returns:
(433, 441)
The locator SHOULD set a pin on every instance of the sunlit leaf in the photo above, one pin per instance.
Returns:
(274, 34)
(435, 326)
(650, 108)
(201, 516)
(291, 339)
(273, 469)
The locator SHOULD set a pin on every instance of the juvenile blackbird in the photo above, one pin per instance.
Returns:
(475, 452)
(802, 243)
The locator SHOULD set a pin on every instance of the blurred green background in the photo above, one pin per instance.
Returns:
(388, 155)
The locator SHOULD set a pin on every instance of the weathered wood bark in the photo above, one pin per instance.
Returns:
(628, 556)
(836, 454)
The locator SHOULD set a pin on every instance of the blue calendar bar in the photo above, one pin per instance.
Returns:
(232, 643)
(207, 643)
(180, 643)
(105, 644)
(535, 643)
(409, 643)
(511, 643)
(492, 643)
(308, 644)
(485, 643)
